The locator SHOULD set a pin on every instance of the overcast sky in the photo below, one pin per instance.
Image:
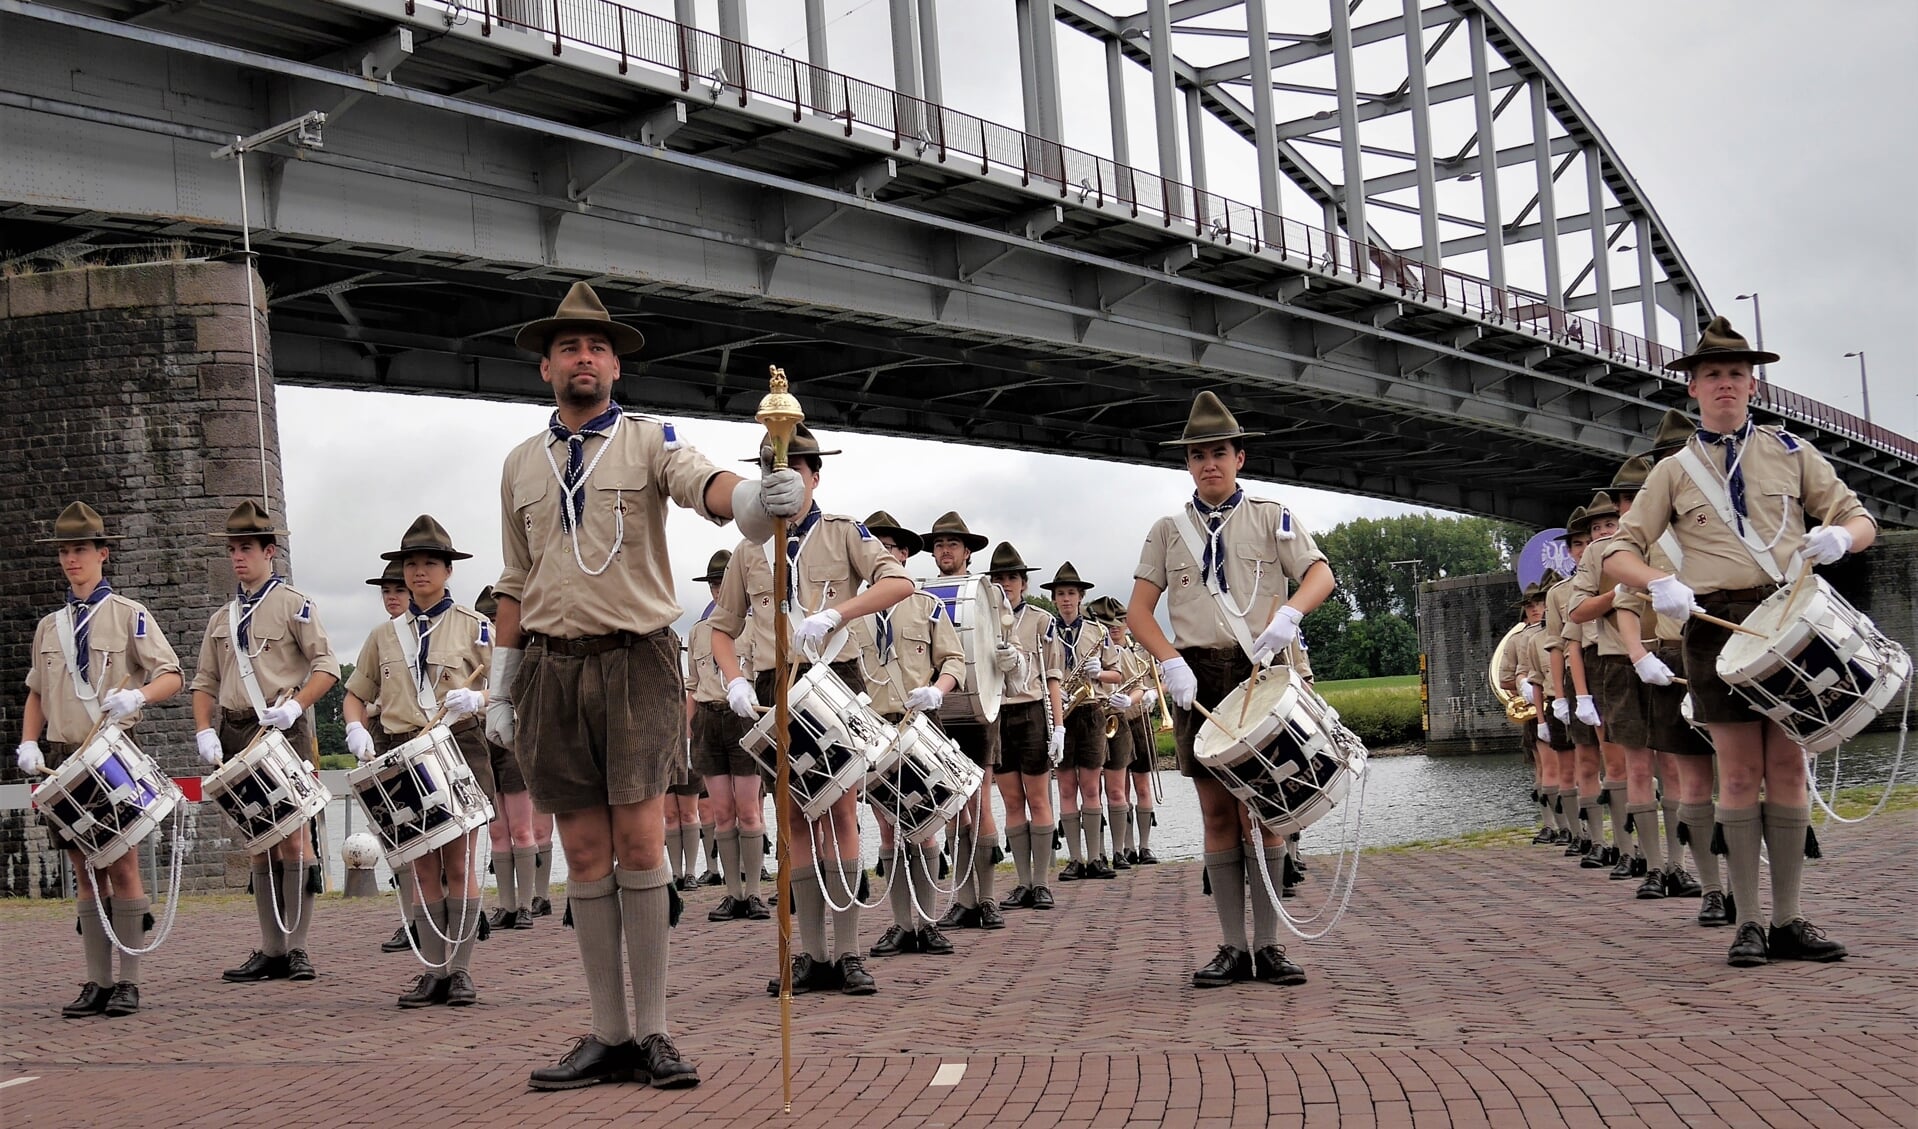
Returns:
(1775, 144)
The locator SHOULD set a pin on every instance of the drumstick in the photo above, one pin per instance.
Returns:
(1214, 719)
(466, 685)
(279, 701)
(119, 685)
(1246, 702)
(1699, 613)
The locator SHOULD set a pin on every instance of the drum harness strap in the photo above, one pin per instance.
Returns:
(1195, 544)
(66, 628)
(412, 642)
(248, 679)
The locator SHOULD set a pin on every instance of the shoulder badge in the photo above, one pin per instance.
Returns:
(667, 430)
(864, 533)
(140, 624)
(1789, 440)
(305, 614)
(1285, 524)
(485, 630)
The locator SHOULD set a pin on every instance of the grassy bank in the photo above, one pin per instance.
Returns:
(1382, 711)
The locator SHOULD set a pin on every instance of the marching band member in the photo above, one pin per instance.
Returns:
(420, 667)
(732, 778)
(1518, 674)
(1249, 549)
(515, 848)
(1589, 643)
(830, 556)
(1032, 734)
(264, 661)
(392, 585)
(1579, 759)
(1084, 655)
(1132, 754)
(1738, 498)
(101, 658)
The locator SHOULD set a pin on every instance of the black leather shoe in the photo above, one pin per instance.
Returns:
(854, 980)
(1622, 870)
(657, 1064)
(522, 919)
(459, 990)
(1797, 939)
(1749, 949)
(1132, 856)
(1561, 837)
(1713, 911)
(589, 1063)
(1231, 966)
(397, 943)
(726, 910)
(1100, 868)
(259, 966)
(298, 965)
(1072, 871)
(895, 940)
(1041, 897)
(1016, 899)
(1652, 887)
(1545, 835)
(712, 878)
(502, 918)
(959, 917)
(809, 975)
(1610, 856)
(934, 942)
(92, 1000)
(989, 916)
(686, 883)
(1270, 966)
(1640, 868)
(1680, 884)
(1289, 889)
(125, 999)
(426, 991)
(542, 907)
(1119, 862)
(1147, 858)
(754, 908)
(1574, 847)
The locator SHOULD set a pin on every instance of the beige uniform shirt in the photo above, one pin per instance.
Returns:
(1558, 629)
(1509, 667)
(459, 646)
(127, 649)
(630, 476)
(1786, 481)
(1537, 664)
(925, 645)
(1264, 548)
(836, 556)
(1668, 632)
(1042, 659)
(708, 685)
(1093, 639)
(285, 642)
(1589, 581)
(1136, 665)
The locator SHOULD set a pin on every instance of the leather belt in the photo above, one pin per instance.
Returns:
(462, 726)
(586, 645)
(1726, 597)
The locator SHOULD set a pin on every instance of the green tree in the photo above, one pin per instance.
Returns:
(1363, 552)
(1324, 632)
(329, 716)
(1381, 645)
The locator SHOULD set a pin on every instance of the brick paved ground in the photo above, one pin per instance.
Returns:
(1466, 986)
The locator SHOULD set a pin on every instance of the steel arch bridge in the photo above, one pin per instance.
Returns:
(1449, 289)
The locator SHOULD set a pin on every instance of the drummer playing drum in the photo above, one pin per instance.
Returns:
(1225, 558)
(424, 665)
(1737, 498)
(100, 658)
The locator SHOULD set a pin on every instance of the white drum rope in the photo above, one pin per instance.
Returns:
(463, 931)
(1811, 772)
(273, 892)
(1344, 880)
(172, 893)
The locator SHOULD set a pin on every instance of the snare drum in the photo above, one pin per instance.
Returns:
(1820, 668)
(1294, 761)
(106, 798)
(922, 782)
(973, 603)
(420, 796)
(268, 790)
(835, 735)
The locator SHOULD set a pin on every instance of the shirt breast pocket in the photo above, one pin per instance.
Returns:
(530, 506)
(826, 584)
(615, 490)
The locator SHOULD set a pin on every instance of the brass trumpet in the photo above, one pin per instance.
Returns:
(1518, 710)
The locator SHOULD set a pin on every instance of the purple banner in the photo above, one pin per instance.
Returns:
(1542, 552)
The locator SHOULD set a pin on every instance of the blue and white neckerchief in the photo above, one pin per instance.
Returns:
(423, 624)
(795, 541)
(883, 632)
(250, 604)
(1213, 562)
(572, 507)
(1069, 634)
(1734, 472)
(83, 623)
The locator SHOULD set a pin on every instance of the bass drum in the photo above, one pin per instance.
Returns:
(977, 610)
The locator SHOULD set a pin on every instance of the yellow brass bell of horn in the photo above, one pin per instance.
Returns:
(1517, 709)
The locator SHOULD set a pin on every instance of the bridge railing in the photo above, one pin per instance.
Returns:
(715, 67)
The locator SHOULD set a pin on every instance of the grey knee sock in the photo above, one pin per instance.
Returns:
(1226, 869)
(1645, 826)
(1019, 838)
(1093, 824)
(1621, 838)
(899, 883)
(925, 861)
(752, 859)
(1265, 911)
(1039, 839)
(597, 929)
(522, 869)
(1563, 809)
(728, 845)
(462, 924)
(296, 903)
(1674, 854)
(543, 873)
(266, 877)
(507, 881)
(1697, 819)
(691, 838)
(1785, 829)
(129, 924)
(407, 901)
(845, 922)
(706, 833)
(1071, 823)
(1142, 823)
(94, 941)
(964, 846)
(809, 906)
(983, 875)
(1121, 819)
(432, 927)
(645, 912)
(1744, 831)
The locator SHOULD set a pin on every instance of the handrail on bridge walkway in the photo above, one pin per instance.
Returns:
(722, 64)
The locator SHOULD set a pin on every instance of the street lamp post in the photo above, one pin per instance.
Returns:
(1758, 326)
(1864, 387)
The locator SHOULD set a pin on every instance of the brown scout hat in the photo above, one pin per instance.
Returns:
(1209, 422)
(1548, 578)
(950, 524)
(1600, 506)
(1574, 525)
(487, 603)
(1067, 577)
(581, 309)
(426, 536)
(249, 520)
(1631, 475)
(1675, 429)
(78, 522)
(1107, 609)
(882, 522)
(1720, 342)
(716, 566)
(393, 573)
(1535, 590)
(1005, 558)
(802, 443)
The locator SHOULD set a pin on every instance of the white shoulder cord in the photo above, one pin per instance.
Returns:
(1725, 477)
(568, 493)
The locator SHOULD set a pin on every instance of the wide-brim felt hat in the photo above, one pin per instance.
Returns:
(487, 602)
(426, 535)
(1209, 422)
(1600, 506)
(1675, 429)
(393, 573)
(249, 520)
(580, 310)
(1107, 609)
(1005, 558)
(1534, 591)
(716, 566)
(950, 524)
(1631, 475)
(802, 443)
(78, 522)
(1067, 577)
(884, 523)
(1574, 525)
(1720, 342)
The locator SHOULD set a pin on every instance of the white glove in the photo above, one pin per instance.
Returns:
(29, 758)
(461, 702)
(1181, 685)
(1671, 598)
(782, 492)
(1279, 634)
(739, 695)
(123, 703)
(283, 716)
(502, 724)
(756, 523)
(1826, 544)
(1545, 730)
(926, 699)
(1525, 689)
(813, 630)
(1652, 671)
(1587, 710)
(1120, 700)
(1006, 658)
(1056, 748)
(209, 743)
(1561, 709)
(1151, 699)
(359, 742)
(1090, 666)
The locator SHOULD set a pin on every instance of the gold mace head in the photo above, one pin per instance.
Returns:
(779, 413)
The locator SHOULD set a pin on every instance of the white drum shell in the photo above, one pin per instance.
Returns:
(420, 796)
(268, 790)
(105, 799)
(974, 604)
(923, 782)
(836, 735)
(1292, 763)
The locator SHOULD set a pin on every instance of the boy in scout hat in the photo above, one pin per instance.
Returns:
(264, 661)
(1583, 647)
(732, 778)
(1085, 650)
(1579, 758)
(1130, 752)
(586, 683)
(423, 668)
(1211, 558)
(1738, 497)
(910, 658)
(392, 585)
(98, 660)
(1032, 735)
(514, 830)
(830, 557)
(1540, 649)
(1518, 674)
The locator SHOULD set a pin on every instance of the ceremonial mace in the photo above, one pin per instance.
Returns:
(780, 414)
